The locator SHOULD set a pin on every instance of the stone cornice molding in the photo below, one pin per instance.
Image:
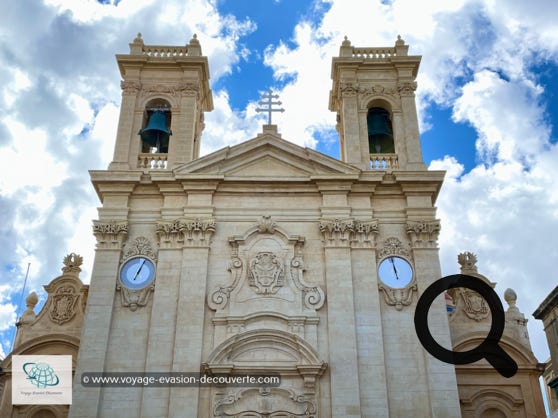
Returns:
(424, 234)
(185, 232)
(110, 234)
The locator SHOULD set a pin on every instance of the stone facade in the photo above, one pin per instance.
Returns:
(268, 257)
(56, 329)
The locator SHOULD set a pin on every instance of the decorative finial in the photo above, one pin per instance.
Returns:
(137, 39)
(511, 297)
(267, 100)
(71, 264)
(468, 262)
(29, 314)
(194, 40)
(346, 42)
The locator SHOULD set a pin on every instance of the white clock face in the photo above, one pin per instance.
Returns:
(396, 272)
(137, 273)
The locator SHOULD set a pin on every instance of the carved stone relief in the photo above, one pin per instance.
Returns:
(349, 232)
(259, 263)
(396, 297)
(264, 402)
(185, 233)
(424, 234)
(132, 298)
(265, 273)
(111, 234)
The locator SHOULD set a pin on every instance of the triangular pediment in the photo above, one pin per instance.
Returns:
(266, 156)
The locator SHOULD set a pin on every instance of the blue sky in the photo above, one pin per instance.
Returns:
(487, 105)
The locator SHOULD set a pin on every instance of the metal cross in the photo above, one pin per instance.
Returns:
(268, 101)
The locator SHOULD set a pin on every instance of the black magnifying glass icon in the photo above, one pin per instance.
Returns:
(489, 348)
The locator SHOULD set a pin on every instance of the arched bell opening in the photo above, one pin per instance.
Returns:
(155, 133)
(380, 131)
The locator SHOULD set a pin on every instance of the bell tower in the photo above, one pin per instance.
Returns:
(373, 95)
(165, 91)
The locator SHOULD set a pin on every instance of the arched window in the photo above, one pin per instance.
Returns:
(380, 131)
(155, 132)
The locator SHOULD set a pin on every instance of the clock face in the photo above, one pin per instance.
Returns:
(137, 273)
(395, 271)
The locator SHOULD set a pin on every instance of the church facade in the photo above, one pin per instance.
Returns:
(269, 258)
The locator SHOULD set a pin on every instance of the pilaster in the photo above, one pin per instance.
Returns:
(343, 351)
(96, 329)
(190, 311)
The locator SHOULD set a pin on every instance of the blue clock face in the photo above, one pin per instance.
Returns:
(396, 272)
(137, 273)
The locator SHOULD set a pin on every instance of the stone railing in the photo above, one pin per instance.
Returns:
(383, 161)
(164, 51)
(376, 53)
(152, 161)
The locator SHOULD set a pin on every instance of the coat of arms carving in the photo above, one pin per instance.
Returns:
(266, 274)
(63, 309)
(475, 306)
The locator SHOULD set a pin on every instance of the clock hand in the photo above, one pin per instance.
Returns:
(394, 268)
(139, 269)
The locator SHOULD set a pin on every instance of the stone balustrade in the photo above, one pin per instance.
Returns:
(383, 161)
(374, 53)
(164, 51)
(152, 161)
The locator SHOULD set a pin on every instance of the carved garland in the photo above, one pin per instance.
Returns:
(187, 89)
(396, 297)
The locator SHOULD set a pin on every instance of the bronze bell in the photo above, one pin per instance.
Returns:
(380, 134)
(156, 134)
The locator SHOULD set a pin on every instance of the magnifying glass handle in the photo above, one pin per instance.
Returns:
(500, 360)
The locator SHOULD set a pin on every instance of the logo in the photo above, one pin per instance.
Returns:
(41, 375)
(42, 380)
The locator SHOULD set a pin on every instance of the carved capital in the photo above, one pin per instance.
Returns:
(364, 234)
(130, 87)
(423, 234)
(337, 232)
(407, 88)
(348, 89)
(185, 233)
(110, 235)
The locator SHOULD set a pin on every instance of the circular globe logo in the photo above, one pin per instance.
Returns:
(40, 375)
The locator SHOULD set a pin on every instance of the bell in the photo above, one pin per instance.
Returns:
(380, 134)
(156, 133)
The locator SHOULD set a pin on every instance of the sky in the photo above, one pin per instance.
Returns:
(487, 102)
